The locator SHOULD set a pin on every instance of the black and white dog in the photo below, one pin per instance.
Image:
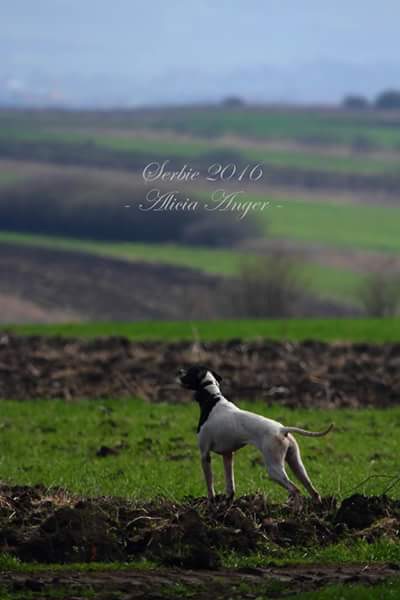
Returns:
(224, 428)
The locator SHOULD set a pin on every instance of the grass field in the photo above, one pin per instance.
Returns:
(363, 227)
(323, 126)
(39, 444)
(355, 330)
(158, 457)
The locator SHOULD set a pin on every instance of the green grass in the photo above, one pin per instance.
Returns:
(38, 443)
(357, 227)
(347, 552)
(389, 590)
(351, 330)
(8, 177)
(9, 562)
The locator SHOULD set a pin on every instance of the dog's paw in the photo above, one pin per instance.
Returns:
(295, 502)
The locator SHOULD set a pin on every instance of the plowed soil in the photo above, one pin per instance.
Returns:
(91, 287)
(56, 527)
(310, 374)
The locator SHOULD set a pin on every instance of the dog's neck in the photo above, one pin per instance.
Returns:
(207, 395)
(210, 384)
(211, 387)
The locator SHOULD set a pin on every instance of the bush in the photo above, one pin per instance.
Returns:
(355, 102)
(388, 100)
(269, 287)
(233, 102)
(380, 293)
(221, 230)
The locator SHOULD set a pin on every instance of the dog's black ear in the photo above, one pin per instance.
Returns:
(217, 376)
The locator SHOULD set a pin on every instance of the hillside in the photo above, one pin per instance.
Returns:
(73, 181)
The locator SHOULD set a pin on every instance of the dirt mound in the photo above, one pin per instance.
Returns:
(310, 373)
(56, 527)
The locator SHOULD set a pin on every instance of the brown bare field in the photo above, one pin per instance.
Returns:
(89, 287)
(305, 374)
(14, 309)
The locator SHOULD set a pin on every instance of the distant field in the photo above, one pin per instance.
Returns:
(306, 159)
(8, 177)
(365, 227)
(312, 125)
(327, 282)
(352, 330)
(324, 126)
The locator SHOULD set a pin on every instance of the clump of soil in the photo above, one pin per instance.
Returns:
(310, 374)
(56, 527)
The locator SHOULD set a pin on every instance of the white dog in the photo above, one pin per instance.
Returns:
(224, 428)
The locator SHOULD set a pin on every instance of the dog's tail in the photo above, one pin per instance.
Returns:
(286, 430)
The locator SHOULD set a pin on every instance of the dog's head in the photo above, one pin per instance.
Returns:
(198, 376)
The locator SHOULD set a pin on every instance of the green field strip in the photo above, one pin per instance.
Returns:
(10, 177)
(326, 282)
(374, 228)
(319, 126)
(356, 330)
(308, 160)
(322, 127)
(216, 262)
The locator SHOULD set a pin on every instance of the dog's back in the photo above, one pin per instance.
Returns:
(229, 427)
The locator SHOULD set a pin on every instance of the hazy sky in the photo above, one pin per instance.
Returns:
(154, 38)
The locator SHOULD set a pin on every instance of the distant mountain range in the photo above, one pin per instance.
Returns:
(325, 82)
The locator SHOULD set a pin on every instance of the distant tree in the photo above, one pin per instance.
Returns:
(389, 100)
(355, 102)
(269, 286)
(364, 143)
(379, 293)
(233, 102)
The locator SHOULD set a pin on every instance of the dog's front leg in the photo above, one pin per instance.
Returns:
(229, 477)
(207, 470)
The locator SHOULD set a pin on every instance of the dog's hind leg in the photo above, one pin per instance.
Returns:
(293, 458)
(229, 476)
(274, 457)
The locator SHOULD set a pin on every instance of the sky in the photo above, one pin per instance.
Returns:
(164, 50)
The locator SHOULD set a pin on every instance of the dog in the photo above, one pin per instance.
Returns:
(224, 428)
